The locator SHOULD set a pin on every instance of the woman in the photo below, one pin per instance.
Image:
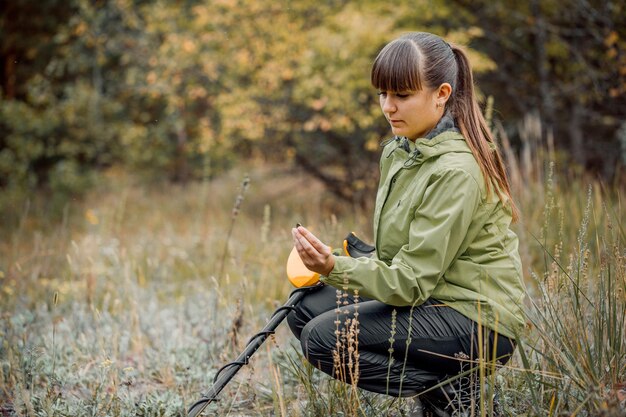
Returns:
(445, 282)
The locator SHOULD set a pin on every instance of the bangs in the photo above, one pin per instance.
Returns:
(397, 67)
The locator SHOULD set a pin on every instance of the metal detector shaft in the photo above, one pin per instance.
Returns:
(228, 371)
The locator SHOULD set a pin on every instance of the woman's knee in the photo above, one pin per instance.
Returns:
(312, 305)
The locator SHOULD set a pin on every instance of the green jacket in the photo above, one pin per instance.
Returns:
(437, 234)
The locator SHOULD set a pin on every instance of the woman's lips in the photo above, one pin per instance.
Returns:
(395, 122)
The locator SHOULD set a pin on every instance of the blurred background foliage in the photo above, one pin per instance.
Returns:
(180, 90)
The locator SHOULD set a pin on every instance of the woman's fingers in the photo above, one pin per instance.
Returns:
(302, 246)
(299, 242)
(313, 241)
(305, 248)
(315, 255)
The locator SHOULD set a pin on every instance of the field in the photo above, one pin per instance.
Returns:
(127, 301)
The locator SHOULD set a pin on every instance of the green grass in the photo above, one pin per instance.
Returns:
(115, 305)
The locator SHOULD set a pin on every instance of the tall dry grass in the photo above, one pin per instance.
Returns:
(572, 360)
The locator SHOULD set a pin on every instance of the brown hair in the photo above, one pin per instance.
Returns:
(419, 59)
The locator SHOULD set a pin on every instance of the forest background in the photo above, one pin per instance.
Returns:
(154, 155)
(180, 90)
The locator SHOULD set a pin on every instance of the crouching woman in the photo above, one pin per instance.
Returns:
(445, 282)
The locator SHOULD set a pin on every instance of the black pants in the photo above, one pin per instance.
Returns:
(439, 338)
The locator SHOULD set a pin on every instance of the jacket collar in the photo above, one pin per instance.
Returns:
(413, 153)
(443, 138)
(445, 142)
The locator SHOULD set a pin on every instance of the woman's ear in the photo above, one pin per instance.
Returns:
(444, 92)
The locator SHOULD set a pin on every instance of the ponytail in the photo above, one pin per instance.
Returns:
(464, 106)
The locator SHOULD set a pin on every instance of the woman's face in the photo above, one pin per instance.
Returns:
(412, 113)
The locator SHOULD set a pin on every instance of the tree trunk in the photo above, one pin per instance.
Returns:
(8, 74)
(576, 134)
(545, 94)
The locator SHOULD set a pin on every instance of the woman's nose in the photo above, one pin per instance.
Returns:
(388, 105)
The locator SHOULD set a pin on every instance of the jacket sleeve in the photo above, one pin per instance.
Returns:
(436, 233)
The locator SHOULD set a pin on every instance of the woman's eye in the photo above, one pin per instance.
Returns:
(384, 94)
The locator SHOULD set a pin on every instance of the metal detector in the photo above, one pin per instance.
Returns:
(304, 281)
